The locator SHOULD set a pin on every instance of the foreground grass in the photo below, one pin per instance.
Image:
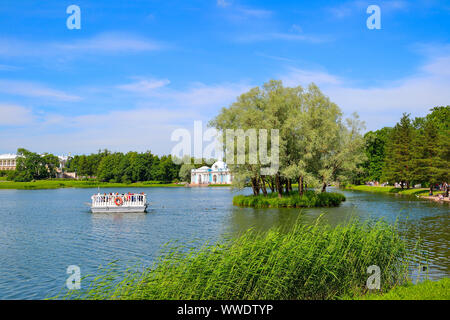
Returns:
(292, 200)
(306, 262)
(392, 190)
(56, 184)
(427, 290)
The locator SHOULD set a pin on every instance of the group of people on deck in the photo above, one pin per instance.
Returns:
(129, 197)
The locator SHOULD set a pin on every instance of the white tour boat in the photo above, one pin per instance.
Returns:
(114, 202)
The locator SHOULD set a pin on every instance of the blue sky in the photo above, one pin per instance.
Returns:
(137, 70)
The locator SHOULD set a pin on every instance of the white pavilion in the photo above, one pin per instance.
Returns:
(217, 174)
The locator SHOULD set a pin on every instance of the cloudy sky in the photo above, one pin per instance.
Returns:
(137, 70)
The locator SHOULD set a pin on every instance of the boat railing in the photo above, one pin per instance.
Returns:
(135, 200)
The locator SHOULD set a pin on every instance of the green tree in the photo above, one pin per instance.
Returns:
(399, 153)
(375, 144)
(32, 166)
(185, 172)
(315, 145)
(431, 148)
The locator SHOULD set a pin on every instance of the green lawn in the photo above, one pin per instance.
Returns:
(56, 184)
(427, 290)
(421, 191)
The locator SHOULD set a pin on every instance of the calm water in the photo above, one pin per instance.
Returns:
(42, 232)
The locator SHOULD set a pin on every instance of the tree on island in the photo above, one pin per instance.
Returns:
(316, 146)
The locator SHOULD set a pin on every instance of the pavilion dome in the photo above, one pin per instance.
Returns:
(219, 166)
(204, 168)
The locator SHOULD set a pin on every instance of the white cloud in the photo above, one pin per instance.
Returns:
(144, 85)
(157, 110)
(296, 77)
(256, 13)
(197, 95)
(349, 8)
(5, 67)
(110, 43)
(271, 36)
(30, 89)
(103, 43)
(223, 3)
(383, 105)
(216, 96)
(13, 115)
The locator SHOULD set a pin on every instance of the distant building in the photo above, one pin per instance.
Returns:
(217, 174)
(8, 161)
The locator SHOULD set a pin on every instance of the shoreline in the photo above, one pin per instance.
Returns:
(421, 193)
(80, 184)
(61, 184)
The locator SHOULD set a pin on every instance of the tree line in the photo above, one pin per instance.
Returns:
(105, 166)
(316, 145)
(126, 168)
(414, 151)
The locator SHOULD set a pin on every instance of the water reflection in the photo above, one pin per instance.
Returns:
(44, 231)
(418, 221)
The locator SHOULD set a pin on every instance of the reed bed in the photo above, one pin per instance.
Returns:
(290, 200)
(306, 262)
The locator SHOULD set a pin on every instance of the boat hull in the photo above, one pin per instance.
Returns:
(119, 209)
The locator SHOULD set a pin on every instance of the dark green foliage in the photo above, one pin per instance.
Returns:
(375, 142)
(125, 168)
(32, 166)
(292, 200)
(413, 152)
(399, 152)
(429, 165)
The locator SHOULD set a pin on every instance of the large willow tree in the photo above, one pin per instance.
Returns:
(316, 146)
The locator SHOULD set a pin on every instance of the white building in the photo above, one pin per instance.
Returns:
(8, 161)
(217, 174)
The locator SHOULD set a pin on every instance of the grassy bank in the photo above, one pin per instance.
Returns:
(291, 200)
(56, 184)
(391, 190)
(427, 290)
(307, 262)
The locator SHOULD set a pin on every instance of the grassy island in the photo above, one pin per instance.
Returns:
(290, 200)
(305, 262)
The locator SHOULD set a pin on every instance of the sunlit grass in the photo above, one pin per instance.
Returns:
(427, 290)
(376, 189)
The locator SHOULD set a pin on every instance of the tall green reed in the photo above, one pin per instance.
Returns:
(306, 262)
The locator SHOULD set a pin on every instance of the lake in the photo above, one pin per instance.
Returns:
(42, 232)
